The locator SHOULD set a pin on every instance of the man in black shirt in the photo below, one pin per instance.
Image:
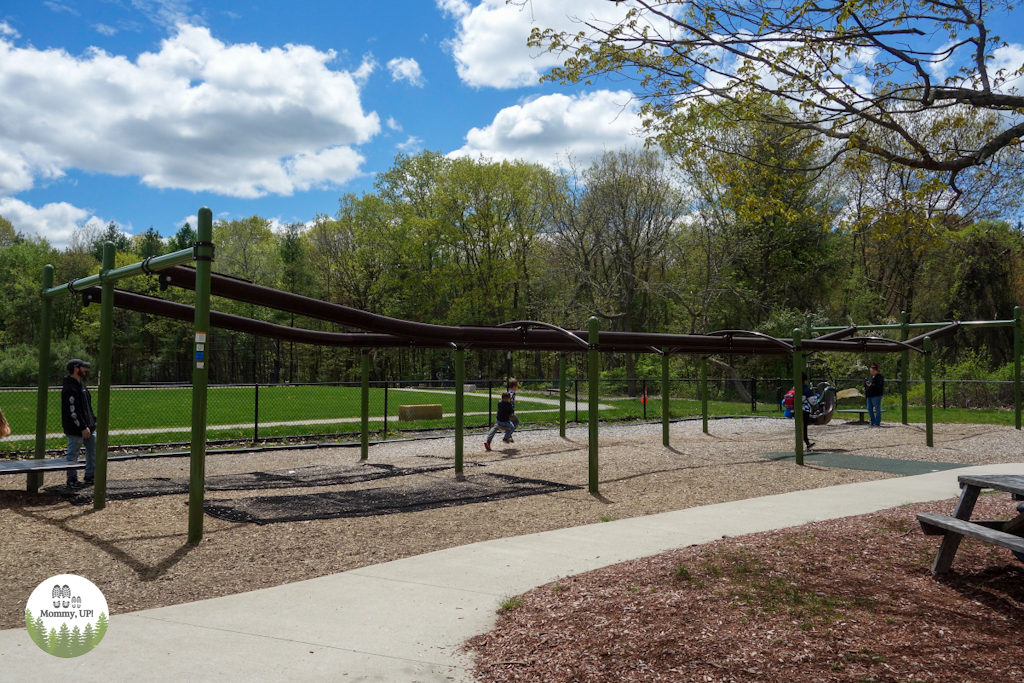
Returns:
(78, 420)
(874, 387)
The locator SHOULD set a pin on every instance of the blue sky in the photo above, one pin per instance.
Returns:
(141, 111)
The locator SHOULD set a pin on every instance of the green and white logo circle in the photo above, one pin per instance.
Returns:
(66, 615)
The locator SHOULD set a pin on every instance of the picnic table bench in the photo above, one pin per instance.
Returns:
(553, 389)
(862, 411)
(1007, 534)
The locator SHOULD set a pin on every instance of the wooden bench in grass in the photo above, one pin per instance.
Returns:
(1006, 534)
(429, 411)
(862, 411)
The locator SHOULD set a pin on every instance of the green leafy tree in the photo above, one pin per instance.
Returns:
(8, 235)
(858, 74)
(182, 239)
(148, 243)
(112, 233)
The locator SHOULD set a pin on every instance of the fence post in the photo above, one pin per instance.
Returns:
(490, 400)
(943, 393)
(385, 411)
(666, 405)
(928, 390)
(561, 395)
(256, 413)
(99, 489)
(704, 393)
(753, 394)
(460, 381)
(200, 375)
(35, 479)
(904, 365)
(364, 431)
(1016, 366)
(593, 371)
(798, 395)
(576, 386)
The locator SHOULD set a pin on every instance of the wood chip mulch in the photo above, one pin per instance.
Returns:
(845, 600)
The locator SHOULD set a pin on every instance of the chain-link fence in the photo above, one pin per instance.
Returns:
(158, 416)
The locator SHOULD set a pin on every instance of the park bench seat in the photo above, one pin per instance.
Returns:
(990, 532)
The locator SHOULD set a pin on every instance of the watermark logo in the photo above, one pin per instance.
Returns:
(66, 615)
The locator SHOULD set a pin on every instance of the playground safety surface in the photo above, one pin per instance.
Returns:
(135, 549)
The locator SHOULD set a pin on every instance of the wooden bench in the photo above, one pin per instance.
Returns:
(554, 388)
(1006, 534)
(862, 411)
(428, 411)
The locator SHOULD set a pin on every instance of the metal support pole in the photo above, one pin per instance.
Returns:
(808, 326)
(490, 400)
(561, 395)
(1016, 366)
(200, 376)
(35, 479)
(576, 400)
(666, 405)
(927, 346)
(256, 413)
(798, 395)
(704, 394)
(385, 411)
(943, 393)
(460, 404)
(904, 366)
(593, 372)
(99, 487)
(644, 400)
(753, 394)
(364, 430)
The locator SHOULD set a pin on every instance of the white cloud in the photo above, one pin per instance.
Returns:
(7, 30)
(412, 145)
(366, 68)
(105, 30)
(543, 129)
(56, 222)
(199, 115)
(57, 7)
(394, 125)
(406, 69)
(490, 44)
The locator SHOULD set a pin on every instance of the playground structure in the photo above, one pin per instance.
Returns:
(381, 331)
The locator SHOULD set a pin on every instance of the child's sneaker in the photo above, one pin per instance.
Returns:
(487, 446)
(506, 440)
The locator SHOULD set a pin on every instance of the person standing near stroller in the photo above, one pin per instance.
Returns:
(874, 387)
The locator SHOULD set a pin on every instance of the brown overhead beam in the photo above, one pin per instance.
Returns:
(934, 334)
(838, 334)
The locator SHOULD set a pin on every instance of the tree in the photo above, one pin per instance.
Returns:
(8, 235)
(147, 244)
(183, 239)
(112, 234)
(859, 73)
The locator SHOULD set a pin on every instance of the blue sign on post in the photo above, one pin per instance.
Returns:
(199, 355)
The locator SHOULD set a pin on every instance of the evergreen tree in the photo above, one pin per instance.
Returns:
(112, 233)
(183, 239)
(77, 643)
(52, 642)
(88, 637)
(64, 641)
(101, 628)
(33, 630)
(41, 630)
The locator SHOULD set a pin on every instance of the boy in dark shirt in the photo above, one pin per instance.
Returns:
(502, 421)
(874, 387)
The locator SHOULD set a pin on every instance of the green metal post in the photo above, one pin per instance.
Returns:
(666, 404)
(200, 376)
(99, 487)
(809, 326)
(561, 394)
(798, 395)
(905, 365)
(364, 430)
(704, 393)
(1016, 365)
(593, 384)
(928, 390)
(35, 479)
(460, 404)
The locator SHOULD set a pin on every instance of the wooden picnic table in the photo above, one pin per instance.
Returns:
(1007, 534)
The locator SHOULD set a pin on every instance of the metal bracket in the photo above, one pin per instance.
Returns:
(71, 286)
(145, 266)
(202, 257)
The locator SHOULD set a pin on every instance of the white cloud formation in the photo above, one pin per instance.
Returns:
(56, 222)
(8, 30)
(393, 124)
(412, 145)
(406, 69)
(199, 115)
(490, 43)
(546, 128)
(105, 30)
(366, 68)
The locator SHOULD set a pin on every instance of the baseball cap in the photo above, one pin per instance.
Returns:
(74, 363)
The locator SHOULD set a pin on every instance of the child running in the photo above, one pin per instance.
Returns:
(502, 421)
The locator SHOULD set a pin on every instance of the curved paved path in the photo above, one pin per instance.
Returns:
(404, 621)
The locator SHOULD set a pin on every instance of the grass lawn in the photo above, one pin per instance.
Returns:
(322, 410)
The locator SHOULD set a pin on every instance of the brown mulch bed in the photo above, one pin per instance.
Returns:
(844, 600)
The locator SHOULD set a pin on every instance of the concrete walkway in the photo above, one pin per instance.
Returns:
(405, 620)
